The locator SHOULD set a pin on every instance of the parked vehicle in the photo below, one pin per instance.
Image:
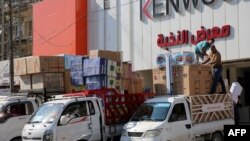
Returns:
(181, 118)
(15, 111)
(86, 116)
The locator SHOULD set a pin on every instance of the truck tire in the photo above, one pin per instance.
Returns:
(217, 136)
(17, 139)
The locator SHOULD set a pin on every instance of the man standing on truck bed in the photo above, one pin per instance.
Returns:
(201, 49)
(214, 59)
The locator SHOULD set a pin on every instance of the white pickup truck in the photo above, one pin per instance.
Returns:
(75, 117)
(15, 111)
(181, 118)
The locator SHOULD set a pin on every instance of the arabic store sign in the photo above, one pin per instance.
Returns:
(158, 5)
(184, 37)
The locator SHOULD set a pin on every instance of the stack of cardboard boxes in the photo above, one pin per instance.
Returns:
(73, 76)
(101, 73)
(111, 55)
(131, 82)
(72, 73)
(40, 72)
(126, 77)
(159, 81)
(192, 79)
(122, 76)
(103, 69)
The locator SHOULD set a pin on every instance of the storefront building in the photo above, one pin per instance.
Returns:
(144, 29)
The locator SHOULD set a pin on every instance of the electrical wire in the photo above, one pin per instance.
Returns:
(79, 18)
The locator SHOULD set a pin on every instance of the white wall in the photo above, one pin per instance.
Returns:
(137, 39)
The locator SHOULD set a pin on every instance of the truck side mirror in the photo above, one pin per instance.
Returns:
(2, 117)
(64, 120)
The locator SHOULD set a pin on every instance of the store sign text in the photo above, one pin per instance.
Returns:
(183, 37)
(158, 5)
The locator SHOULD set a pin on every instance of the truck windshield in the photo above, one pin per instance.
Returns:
(152, 112)
(46, 113)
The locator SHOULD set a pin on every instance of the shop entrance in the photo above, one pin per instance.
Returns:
(244, 110)
(246, 86)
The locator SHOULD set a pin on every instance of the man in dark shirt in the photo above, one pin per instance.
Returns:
(214, 59)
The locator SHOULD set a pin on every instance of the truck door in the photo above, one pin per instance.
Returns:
(95, 121)
(179, 124)
(17, 113)
(74, 122)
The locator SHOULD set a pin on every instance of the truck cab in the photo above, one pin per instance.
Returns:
(156, 118)
(72, 119)
(15, 111)
(172, 118)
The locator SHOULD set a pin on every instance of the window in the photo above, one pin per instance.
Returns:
(75, 110)
(91, 108)
(72, 111)
(178, 113)
(15, 110)
(152, 112)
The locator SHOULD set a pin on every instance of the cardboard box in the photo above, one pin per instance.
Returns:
(111, 55)
(160, 89)
(192, 86)
(206, 68)
(20, 66)
(25, 82)
(77, 78)
(37, 64)
(193, 79)
(136, 85)
(126, 70)
(40, 64)
(74, 63)
(178, 88)
(69, 87)
(61, 67)
(159, 76)
(95, 66)
(205, 86)
(100, 66)
(125, 83)
(132, 85)
(112, 68)
(136, 75)
(118, 83)
(49, 81)
(98, 82)
(206, 83)
(119, 69)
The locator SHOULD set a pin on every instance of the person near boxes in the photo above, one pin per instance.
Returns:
(201, 49)
(214, 59)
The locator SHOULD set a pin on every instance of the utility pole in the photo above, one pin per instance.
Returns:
(10, 45)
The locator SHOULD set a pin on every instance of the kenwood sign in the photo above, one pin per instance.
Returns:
(158, 5)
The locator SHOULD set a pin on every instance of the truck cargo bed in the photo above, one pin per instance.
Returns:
(207, 108)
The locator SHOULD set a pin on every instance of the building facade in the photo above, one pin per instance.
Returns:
(143, 29)
(22, 28)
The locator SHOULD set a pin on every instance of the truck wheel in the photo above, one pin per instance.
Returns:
(217, 137)
(16, 139)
